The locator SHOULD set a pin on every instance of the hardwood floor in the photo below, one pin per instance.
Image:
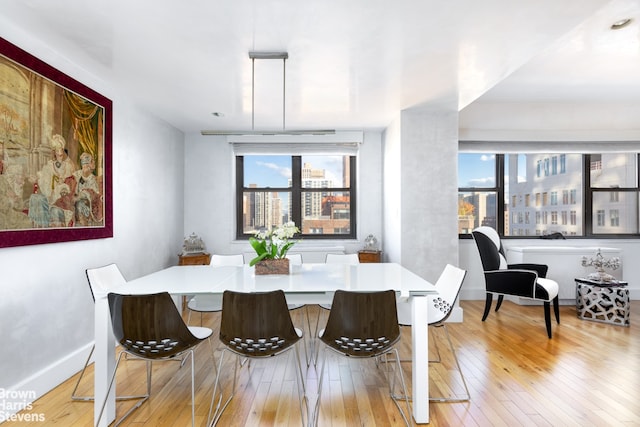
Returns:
(587, 375)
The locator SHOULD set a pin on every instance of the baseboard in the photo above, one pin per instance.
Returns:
(21, 395)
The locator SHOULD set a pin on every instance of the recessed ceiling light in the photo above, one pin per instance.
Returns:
(217, 114)
(621, 23)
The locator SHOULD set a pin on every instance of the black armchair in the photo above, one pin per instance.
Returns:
(521, 280)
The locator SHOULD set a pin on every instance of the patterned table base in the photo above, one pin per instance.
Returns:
(603, 304)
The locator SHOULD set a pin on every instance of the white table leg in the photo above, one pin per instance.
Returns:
(420, 359)
(104, 362)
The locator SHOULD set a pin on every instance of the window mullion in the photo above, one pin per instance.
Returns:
(296, 190)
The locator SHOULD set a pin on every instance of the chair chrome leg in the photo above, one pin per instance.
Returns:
(464, 383)
(297, 353)
(142, 398)
(316, 411)
(408, 418)
(312, 338)
(439, 360)
(214, 416)
(315, 337)
(302, 397)
(73, 393)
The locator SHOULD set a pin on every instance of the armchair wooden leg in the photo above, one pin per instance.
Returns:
(487, 305)
(499, 303)
(547, 317)
(556, 309)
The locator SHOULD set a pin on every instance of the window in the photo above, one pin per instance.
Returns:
(546, 166)
(316, 192)
(613, 188)
(591, 195)
(614, 215)
(478, 196)
(615, 197)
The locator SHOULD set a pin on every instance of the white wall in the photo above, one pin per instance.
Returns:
(46, 310)
(210, 195)
(420, 199)
(392, 206)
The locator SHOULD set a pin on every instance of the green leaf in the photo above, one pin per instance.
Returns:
(285, 248)
(258, 259)
(260, 246)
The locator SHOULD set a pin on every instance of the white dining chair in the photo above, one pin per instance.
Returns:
(440, 306)
(212, 303)
(102, 280)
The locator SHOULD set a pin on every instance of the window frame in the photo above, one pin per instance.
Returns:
(587, 195)
(296, 190)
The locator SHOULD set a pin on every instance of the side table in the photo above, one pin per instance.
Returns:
(606, 302)
(370, 256)
(201, 258)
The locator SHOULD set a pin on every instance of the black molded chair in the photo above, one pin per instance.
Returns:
(150, 327)
(347, 259)
(520, 280)
(363, 325)
(256, 326)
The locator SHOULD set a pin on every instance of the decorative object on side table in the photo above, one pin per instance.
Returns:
(371, 243)
(193, 245)
(370, 252)
(600, 263)
(271, 248)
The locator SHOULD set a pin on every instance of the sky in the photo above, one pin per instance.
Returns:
(476, 170)
(274, 171)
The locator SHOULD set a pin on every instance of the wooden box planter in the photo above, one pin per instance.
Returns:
(272, 266)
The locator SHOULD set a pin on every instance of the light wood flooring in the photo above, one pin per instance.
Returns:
(587, 375)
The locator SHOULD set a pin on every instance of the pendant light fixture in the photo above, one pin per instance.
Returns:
(260, 56)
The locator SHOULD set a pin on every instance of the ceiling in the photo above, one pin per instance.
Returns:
(351, 64)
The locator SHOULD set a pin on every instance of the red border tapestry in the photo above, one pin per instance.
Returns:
(55, 154)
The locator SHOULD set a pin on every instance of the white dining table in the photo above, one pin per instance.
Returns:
(306, 284)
